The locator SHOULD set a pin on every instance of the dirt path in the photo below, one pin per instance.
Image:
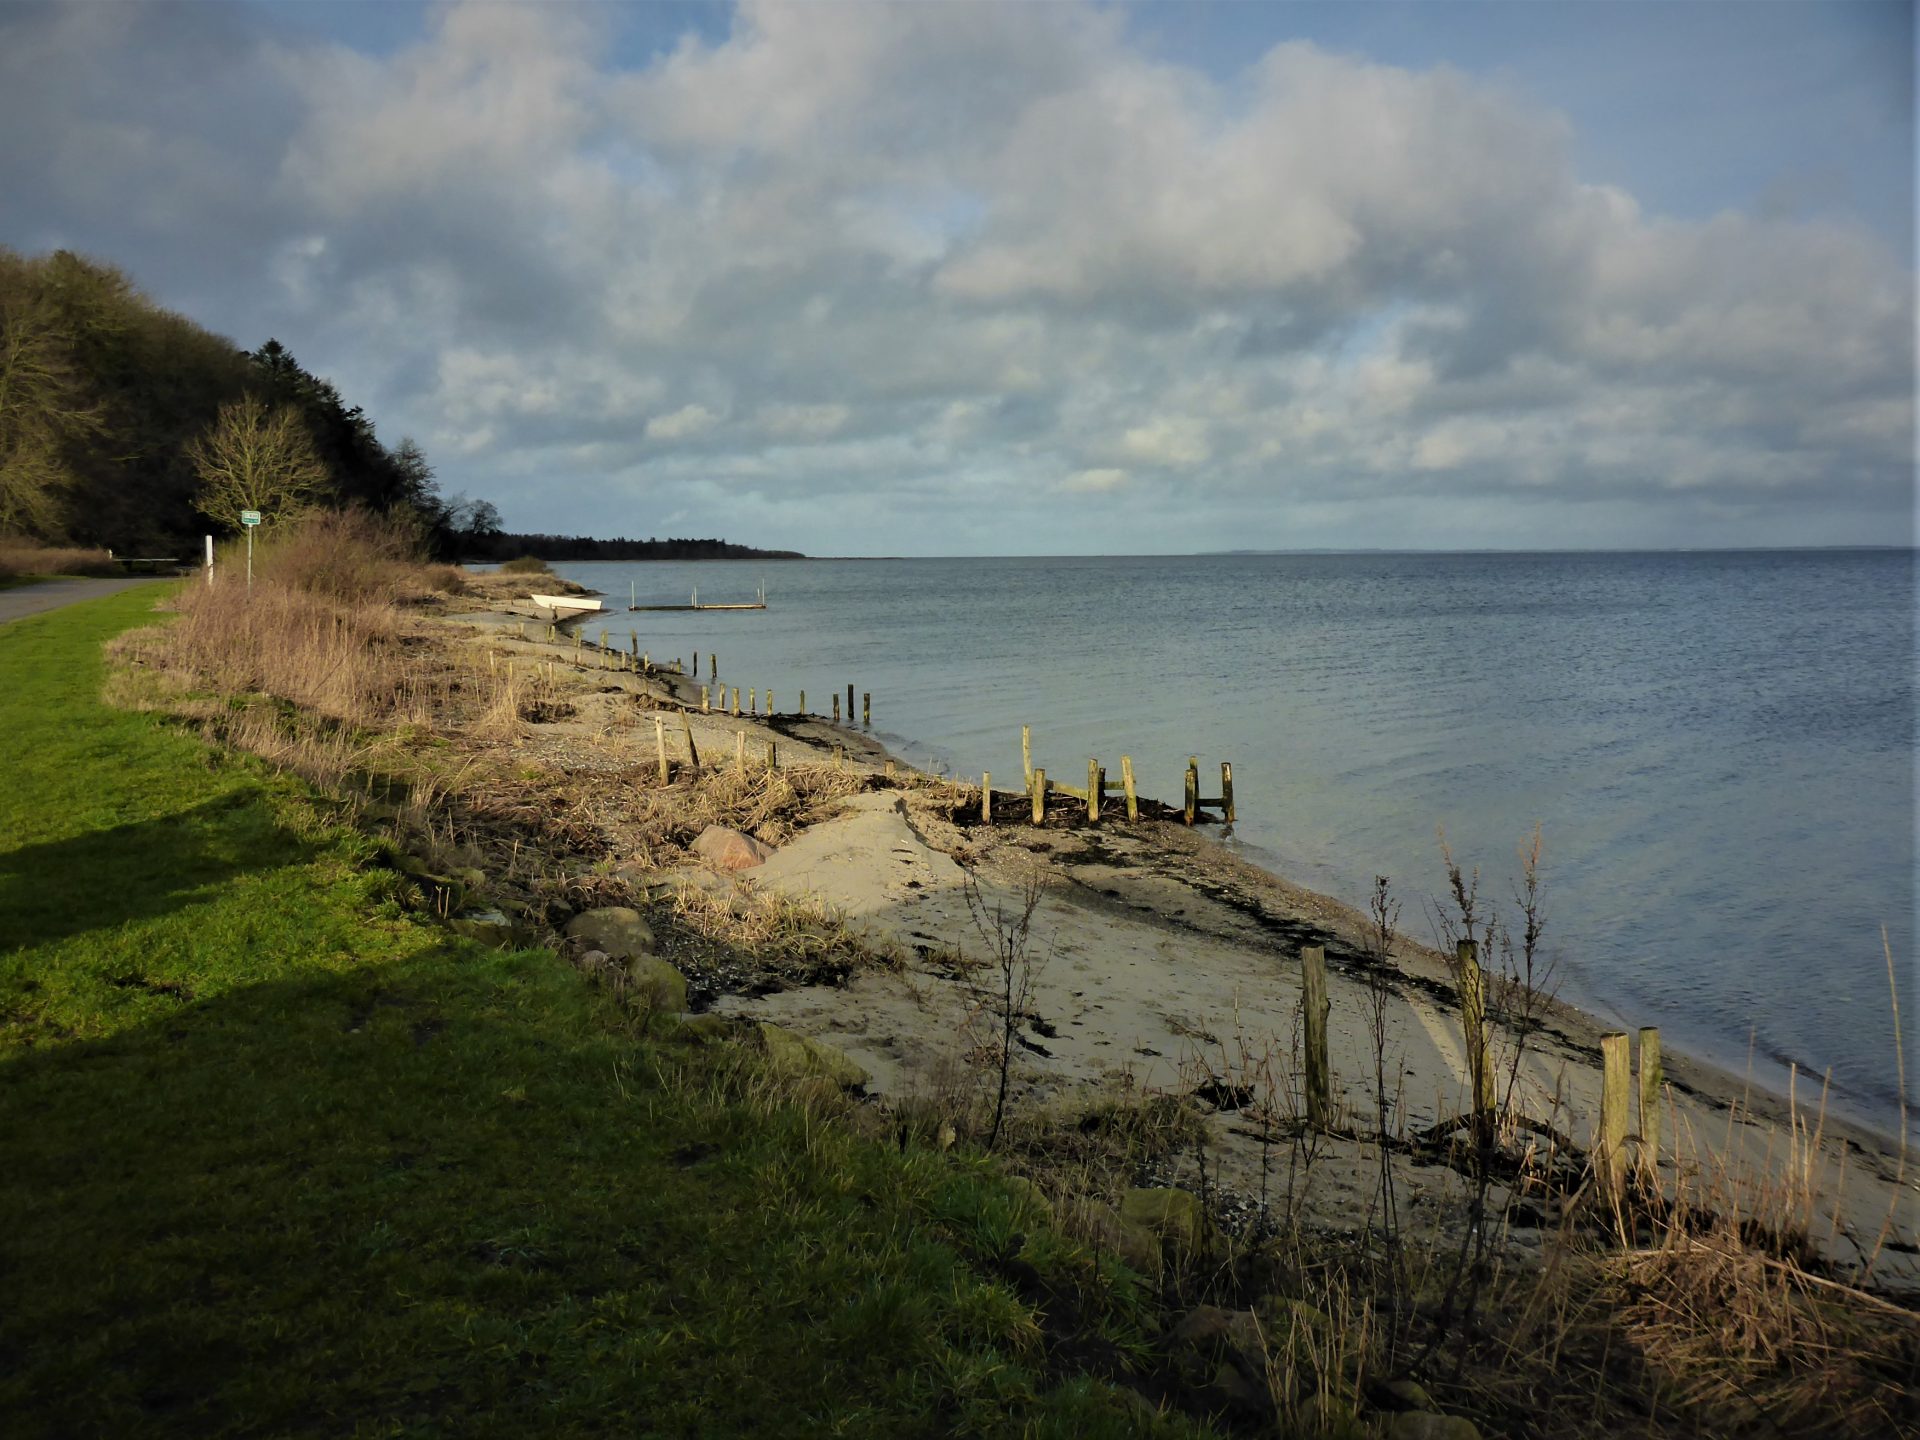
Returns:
(24, 600)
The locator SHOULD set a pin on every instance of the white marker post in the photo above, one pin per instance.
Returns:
(250, 519)
(209, 561)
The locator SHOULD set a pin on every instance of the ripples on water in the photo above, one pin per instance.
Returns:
(1719, 745)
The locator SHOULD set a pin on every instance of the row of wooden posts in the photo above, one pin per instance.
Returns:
(1093, 795)
(1617, 1091)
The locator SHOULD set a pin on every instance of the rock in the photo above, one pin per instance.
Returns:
(707, 1029)
(1297, 1333)
(1208, 1329)
(1028, 1197)
(1171, 1216)
(726, 849)
(488, 932)
(797, 1056)
(1224, 1348)
(1102, 1228)
(1329, 1416)
(1233, 1391)
(656, 985)
(474, 879)
(1426, 1425)
(1404, 1395)
(617, 929)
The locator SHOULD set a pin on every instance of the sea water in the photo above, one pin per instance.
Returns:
(1718, 747)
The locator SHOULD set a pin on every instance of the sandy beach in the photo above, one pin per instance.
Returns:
(1160, 963)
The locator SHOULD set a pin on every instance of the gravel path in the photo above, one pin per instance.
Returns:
(24, 600)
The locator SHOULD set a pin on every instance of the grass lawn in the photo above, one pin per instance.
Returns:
(281, 1158)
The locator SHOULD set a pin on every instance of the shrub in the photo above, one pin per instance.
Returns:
(29, 557)
(526, 565)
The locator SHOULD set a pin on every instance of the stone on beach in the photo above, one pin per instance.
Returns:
(726, 849)
(796, 1056)
(619, 930)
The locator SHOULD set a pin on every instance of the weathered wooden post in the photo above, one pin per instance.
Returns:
(849, 704)
(771, 759)
(696, 662)
(1193, 788)
(1094, 776)
(866, 708)
(1473, 1025)
(753, 701)
(713, 661)
(769, 702)
(803, 703)
(740, 749)
(1313, 973)
(1026, 753)
(660, 743)
(1610, 1153)
(1226, 789)
(1652, 1080)
(986, 797)
(705, 708)
(693, 751)
(1126, 781)
(1037, 788)
(889, 769)
(633, 643)
(736, 702)
(836, 709)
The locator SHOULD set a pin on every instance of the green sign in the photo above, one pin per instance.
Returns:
(249, 517)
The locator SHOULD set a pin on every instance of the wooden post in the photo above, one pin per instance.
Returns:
(849, 704)
(1038, 790)
(736, 702)
(1193, 788)
(986, 797)
(769, 702)
(772, 760)
(803, 702)
(866, 708)
(753, 701)
(1652, 1081)
(1026, 753)
(1473, 1024)
(740, 749)
(705, 697)
(713, 660)
(1610, 1149)
(693, 752)
(660, 741)
(633, 643)
(889, 769)
(1313, 972)
(1126, 781)
(1226, 789)
(696, 662)
(836, 709)
(1094, 777)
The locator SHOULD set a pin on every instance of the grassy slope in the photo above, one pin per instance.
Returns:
(280, 1158)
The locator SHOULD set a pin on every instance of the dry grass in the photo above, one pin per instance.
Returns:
(19, 558)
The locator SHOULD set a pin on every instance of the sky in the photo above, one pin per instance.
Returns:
(1039, 278)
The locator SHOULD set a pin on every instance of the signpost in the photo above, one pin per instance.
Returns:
(250, 519)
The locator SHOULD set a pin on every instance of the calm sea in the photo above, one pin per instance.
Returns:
(1719, 747)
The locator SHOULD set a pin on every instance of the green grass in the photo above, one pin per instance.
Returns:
(281, 1158)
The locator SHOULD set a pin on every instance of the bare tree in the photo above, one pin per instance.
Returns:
(256, 458)
(43, 406)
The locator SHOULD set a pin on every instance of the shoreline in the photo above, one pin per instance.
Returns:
(1172, 959)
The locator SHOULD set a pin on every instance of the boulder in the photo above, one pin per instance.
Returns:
(617, 929)
(1426, 1425)
(1221, 1354)
(707, 1029)
(1029, 1197)
(1404, 1395)
(1102, 1228)
(498, 934)
(726, 849)
(656, 985)
(798, 1056)
(1171, 1216)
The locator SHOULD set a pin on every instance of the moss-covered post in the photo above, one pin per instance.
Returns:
(1313, 976)
(1610, 1149)
(1126, 783)
(1038, 790)
(1652, 1080)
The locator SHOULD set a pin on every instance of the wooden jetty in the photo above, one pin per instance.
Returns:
(694, 604)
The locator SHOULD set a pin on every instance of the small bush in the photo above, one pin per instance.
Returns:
(347, 555)
(526, 565)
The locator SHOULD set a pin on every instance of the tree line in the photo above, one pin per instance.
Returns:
(125, 425)
(500, 545)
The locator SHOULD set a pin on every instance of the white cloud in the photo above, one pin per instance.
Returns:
(1094, 482)
(682, 424)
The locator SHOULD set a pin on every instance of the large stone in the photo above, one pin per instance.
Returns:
(1171, 1216)
(1102, 1228)
(726, 849)
(707, 1029)
(1208, 1329)
(655, 984)
(1404, 1395)
(1221, 1354)
(500, 935)
(1426, 1425)
(798, 1056)
(1031, 1199)
(617, 929)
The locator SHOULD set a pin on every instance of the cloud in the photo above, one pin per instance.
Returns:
(936, 257)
